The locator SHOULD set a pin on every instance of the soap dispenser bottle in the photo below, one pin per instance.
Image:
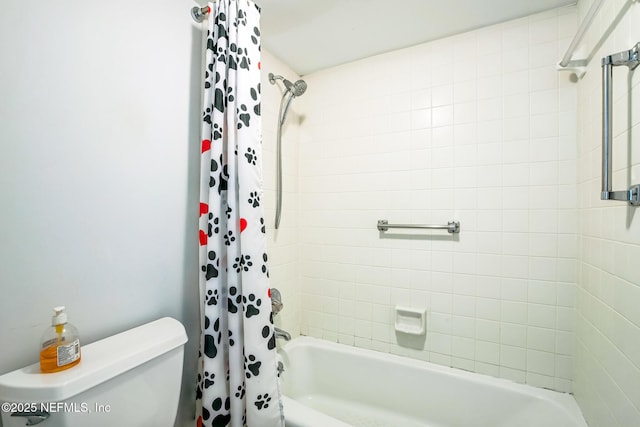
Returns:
(60, 348)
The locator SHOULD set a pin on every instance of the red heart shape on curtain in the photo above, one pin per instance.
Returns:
(243, 224)
(204, 208)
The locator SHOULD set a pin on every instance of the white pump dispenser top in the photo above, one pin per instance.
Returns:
(60, 318)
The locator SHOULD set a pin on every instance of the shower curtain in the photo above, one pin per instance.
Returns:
(237, 380)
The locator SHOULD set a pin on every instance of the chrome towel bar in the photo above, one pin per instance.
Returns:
(630, 58)
(451, 227)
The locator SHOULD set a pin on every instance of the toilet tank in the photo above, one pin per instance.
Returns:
(131, 379)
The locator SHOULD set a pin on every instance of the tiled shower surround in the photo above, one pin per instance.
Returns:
(479, 128)
(541, 285)
(607, 357)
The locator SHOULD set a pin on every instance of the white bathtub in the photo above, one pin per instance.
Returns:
(334, 385)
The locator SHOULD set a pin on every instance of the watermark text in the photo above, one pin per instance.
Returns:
(55, 407)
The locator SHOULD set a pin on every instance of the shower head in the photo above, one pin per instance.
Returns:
(296, 89)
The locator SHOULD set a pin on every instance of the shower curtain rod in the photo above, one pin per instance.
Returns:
(579, 66)
(198, 13)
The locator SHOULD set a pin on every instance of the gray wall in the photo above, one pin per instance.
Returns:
(99, 160)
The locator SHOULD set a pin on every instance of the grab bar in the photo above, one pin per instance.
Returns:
(630, 58)
(451, 227)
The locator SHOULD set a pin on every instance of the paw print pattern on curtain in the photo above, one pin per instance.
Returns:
(237, 381)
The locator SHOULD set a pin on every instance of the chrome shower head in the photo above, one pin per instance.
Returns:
(296, 89)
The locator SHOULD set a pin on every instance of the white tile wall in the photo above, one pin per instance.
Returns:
(607, 367)
(501, 299)
(424, 135)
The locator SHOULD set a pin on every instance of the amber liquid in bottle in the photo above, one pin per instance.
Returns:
(49, 355)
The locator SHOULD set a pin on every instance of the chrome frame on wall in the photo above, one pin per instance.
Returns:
(451, 227)
(630, 58)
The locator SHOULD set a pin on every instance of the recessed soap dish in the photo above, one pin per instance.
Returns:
(411, 321)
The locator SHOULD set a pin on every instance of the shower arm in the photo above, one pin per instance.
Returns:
(630, 58)
(273, 78)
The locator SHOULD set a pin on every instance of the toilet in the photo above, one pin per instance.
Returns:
(131, 379)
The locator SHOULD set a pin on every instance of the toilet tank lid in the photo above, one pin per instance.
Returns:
(101, 361)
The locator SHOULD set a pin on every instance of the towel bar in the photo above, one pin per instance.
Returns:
(630, 58)
(451, 227)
